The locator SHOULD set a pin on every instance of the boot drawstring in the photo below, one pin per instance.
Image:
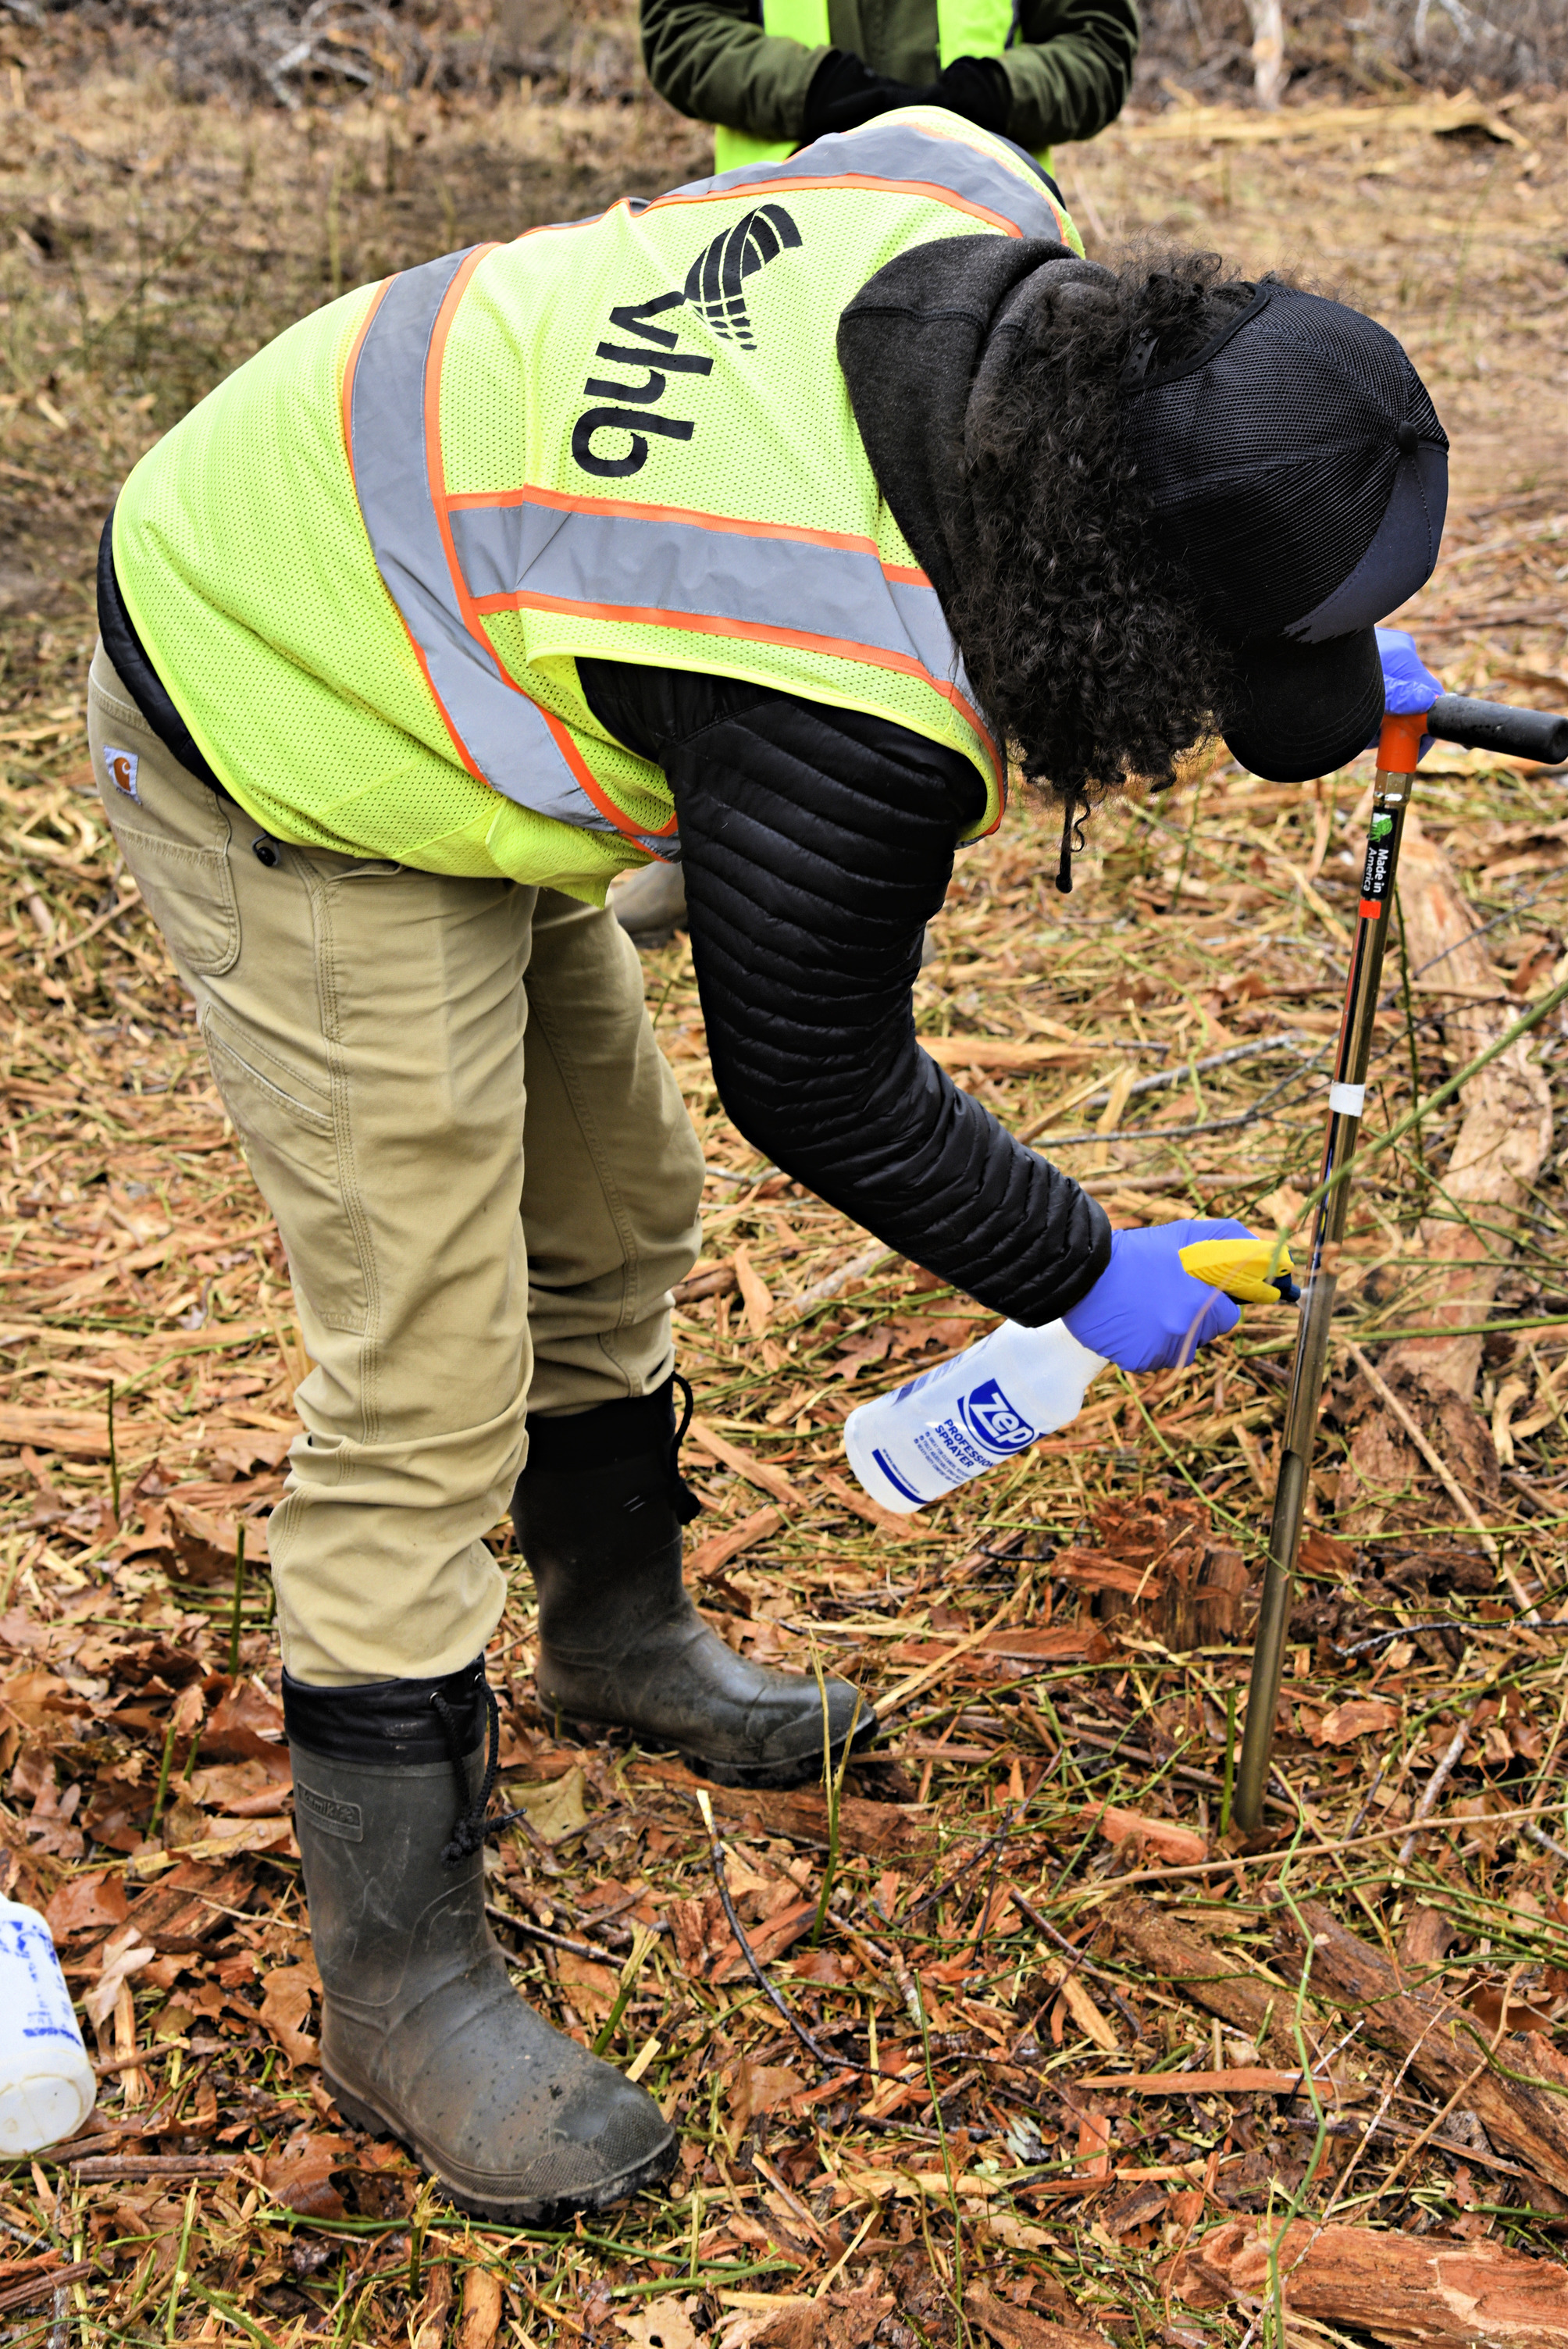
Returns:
(682, 1499)
(474, 1825)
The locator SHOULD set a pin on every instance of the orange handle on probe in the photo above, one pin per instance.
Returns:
(1399, 744)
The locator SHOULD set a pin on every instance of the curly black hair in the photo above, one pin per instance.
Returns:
(1083, 641)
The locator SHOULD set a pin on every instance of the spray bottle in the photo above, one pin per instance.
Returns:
(936, 1431)
(47, 2086)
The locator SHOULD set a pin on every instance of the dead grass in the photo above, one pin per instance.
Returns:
(969, 1974)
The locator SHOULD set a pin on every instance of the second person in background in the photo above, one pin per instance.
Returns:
(773, 75)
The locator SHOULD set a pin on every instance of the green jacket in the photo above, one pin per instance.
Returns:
(1070, 67)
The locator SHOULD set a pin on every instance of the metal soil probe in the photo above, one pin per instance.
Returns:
(1478, 724)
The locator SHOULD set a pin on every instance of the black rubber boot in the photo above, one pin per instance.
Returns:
(598, 1512)
(422, 2034)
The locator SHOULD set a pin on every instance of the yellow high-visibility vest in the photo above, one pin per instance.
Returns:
(366, 566)
(965, 28)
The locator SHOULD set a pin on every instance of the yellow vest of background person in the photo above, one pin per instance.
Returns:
(965, 28)
(367, 565)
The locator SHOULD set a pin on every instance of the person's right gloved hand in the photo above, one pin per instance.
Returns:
(1145, 1312)
(843, 93)
(1409, 689)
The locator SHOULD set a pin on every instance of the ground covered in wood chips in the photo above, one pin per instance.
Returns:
(1061, 2012)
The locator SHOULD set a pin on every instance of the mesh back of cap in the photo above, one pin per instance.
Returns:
(1269, 463)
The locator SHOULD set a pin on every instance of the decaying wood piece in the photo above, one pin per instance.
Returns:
(1446, 2050)
(1020, 2328)
(1506, 1131)
(1425, 1939)
(1399, 2288)
(1175, 1954)
(1155, 1564)
(1503, 1141)
(884, 1830)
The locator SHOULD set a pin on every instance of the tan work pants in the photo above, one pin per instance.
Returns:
(463, 1250)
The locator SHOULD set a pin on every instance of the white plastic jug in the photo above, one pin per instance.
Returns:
(48, 2087)
(937, 1431)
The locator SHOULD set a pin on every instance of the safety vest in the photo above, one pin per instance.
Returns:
(965, 28)
(366, 566)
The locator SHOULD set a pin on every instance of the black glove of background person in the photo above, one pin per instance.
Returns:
(844, 92)
(978, 89)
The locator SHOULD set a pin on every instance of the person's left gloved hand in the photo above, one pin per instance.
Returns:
(844, 94)
(1146, 1311)
(978, 89)
(1409, 689)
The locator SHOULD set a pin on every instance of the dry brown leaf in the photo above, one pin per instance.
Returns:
(760, 2088)
(300, 2174)
(1179, 1845)
(555, 1809)
(1359, 1717)
(1086, 2013)
(756, 1295)
(85, 1901)
(661, 2323)
(285, 2010)
(591, 1987)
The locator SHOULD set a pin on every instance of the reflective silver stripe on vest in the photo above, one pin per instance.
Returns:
(689, 570)
(503, 732)
(901, 152)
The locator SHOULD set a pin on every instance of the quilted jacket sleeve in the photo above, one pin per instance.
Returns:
(1071, 69)
(818, 844)
(712, 59)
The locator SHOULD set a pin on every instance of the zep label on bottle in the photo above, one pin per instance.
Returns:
(43, 2010)
(994, 1421)
(985, 1426)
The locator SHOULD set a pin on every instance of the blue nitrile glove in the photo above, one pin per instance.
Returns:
(1141, 1311)
(1408, 685)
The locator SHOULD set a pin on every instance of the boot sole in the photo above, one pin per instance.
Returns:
(362, 2114)
(767, 1777)
(778, 1777)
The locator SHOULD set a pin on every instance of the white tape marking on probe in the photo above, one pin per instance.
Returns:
(1348, 1100)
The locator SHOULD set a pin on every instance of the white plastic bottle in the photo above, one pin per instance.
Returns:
(48, 2087)
(937, 1431)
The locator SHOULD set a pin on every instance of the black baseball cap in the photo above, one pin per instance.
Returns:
(1297, 472)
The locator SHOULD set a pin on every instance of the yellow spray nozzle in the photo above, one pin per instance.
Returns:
(1241, 1269)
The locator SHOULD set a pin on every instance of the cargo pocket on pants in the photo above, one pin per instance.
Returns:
(285, 1122)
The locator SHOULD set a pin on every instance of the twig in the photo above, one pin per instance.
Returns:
(1434, 1784)
(1080, 1963)
(541, 1933)
(831, 1284)
(716, 1857)
(1163, 1133)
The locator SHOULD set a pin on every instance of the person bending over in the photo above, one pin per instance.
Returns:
(751, 526)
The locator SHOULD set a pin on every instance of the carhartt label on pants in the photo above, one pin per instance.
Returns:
(344, 1819)
(120, 766)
